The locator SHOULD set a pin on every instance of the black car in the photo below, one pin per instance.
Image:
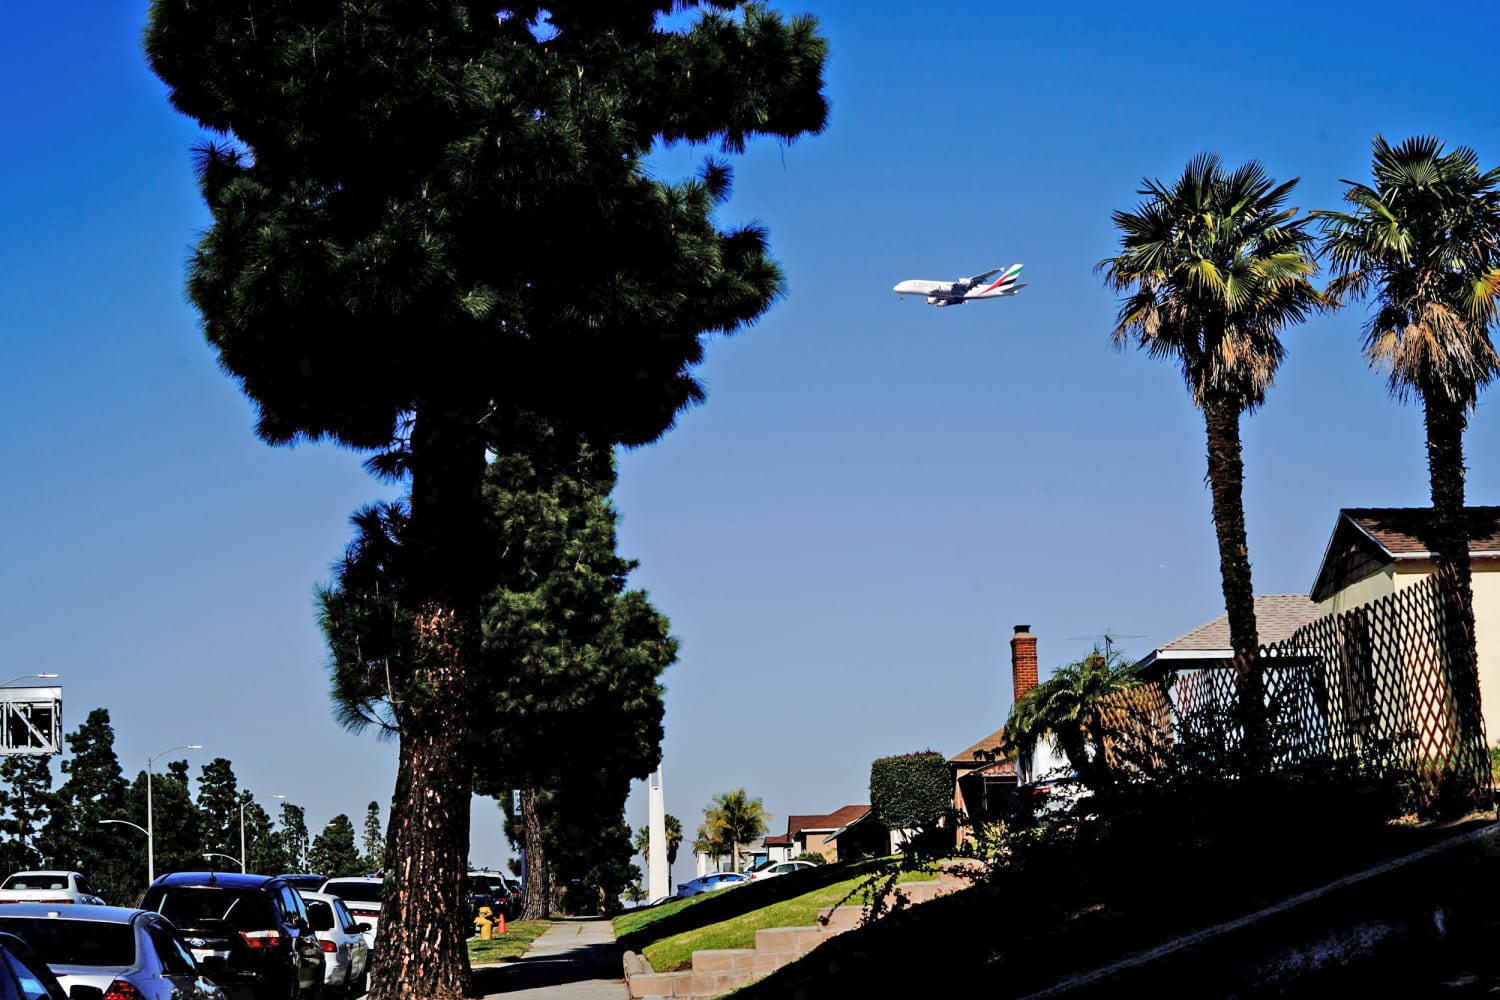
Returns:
(25, 973)
(249, 932)
(494, 890)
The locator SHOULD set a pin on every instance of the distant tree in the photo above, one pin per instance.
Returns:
(1423, 242)
(1068, 707)
(219, 807)
(26, 804)
(267, 853)
(353, 282)
(1213, 266)
(733, 819)
(176, 823)
(294, 835)
(94, 789)
(374, 840)
(674, 839)
(333, 851)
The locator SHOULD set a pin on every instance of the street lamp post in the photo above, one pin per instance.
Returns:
(136, 826)
(150, 826)
(24, 677)
(243, 855)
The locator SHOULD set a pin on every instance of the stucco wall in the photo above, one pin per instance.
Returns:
(1486, 583)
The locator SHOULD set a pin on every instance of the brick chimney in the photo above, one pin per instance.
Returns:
(1022, 661)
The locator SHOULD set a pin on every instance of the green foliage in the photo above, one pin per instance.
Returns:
(219, 807)
(734, 818)
(175, 819)
(674, 839)
(333, 852)
(26, 803)
(911, 791)
(263, 844)
(294, 835)
(374, 840)
(1068, 706)
(811, 856)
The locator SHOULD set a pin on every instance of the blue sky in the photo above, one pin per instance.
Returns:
(874, 494)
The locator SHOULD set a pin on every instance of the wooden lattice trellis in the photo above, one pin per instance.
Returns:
(1378, 693)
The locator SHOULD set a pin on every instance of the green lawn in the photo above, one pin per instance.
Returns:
(730, 917)
(512, 944)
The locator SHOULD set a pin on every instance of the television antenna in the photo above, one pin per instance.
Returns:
(1109, 637)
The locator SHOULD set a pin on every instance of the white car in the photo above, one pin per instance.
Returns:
(773, 869)
(48, 887)
(361, 894)
(346, 953)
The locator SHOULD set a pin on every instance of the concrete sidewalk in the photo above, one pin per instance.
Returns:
(576, 959)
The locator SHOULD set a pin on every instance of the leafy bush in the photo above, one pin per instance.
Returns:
(815, 858)
(912, 791)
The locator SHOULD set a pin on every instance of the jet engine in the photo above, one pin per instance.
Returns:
(933, 300)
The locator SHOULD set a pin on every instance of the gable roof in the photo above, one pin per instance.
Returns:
(1277, 616)
(1367, 539)
(985, 751)
(832, 821)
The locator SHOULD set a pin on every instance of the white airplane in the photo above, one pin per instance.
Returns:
(956, 293)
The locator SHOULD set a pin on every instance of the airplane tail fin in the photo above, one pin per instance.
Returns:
(1006, 284)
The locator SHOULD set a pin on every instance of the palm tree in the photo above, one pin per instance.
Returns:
(734, 819)
(1212, 268)
(1424, 243)
(674, 840)
(1069, 707)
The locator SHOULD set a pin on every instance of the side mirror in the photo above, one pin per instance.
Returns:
(82, 992)
(361, 926)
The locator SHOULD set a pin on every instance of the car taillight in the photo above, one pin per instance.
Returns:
(328, 946)
(261, 939)
(121, 990)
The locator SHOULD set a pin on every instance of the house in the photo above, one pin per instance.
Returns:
(849, 832)
(1277, 616)
(984, 779)
(1375, 552)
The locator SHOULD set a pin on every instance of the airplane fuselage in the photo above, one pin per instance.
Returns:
(956, 293)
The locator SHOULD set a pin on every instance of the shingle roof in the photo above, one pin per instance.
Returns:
(983, 751)
(1277, 616)
(1365, 540)
(832, 821)
(1412, 531)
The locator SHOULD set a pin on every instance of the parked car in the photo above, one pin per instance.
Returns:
(346, 953)
(709, 883)
(246, 931)
(48, 887)
(26, 973)
(771, 869)
(131, 954)
(495, 890)
(361, 894)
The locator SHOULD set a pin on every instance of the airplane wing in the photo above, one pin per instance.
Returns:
(970, 282)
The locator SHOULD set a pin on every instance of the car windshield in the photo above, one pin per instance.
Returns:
(191, 906)
(361, 892)
(74, 942)
(35, 881)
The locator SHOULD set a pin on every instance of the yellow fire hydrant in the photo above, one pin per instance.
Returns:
(485, 923)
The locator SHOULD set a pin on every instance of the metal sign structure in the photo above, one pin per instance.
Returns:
(30, 721)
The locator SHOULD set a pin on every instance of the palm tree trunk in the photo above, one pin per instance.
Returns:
(423, 916)
(1445, 468)
(1226, 479)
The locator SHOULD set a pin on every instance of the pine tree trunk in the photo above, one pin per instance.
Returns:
(424, 918)
(1226, 478)
(1445, 469)
(538, 896)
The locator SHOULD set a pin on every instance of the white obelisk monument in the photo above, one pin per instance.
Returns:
(658, 874)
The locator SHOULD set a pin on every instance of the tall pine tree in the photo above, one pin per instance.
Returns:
(404, 199)
(26, 803)
(93, 789)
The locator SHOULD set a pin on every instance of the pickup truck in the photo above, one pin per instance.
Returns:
(48, 887)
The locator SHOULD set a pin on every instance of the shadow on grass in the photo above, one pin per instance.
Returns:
(726, 904)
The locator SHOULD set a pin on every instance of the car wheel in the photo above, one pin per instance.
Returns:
(360, 986)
